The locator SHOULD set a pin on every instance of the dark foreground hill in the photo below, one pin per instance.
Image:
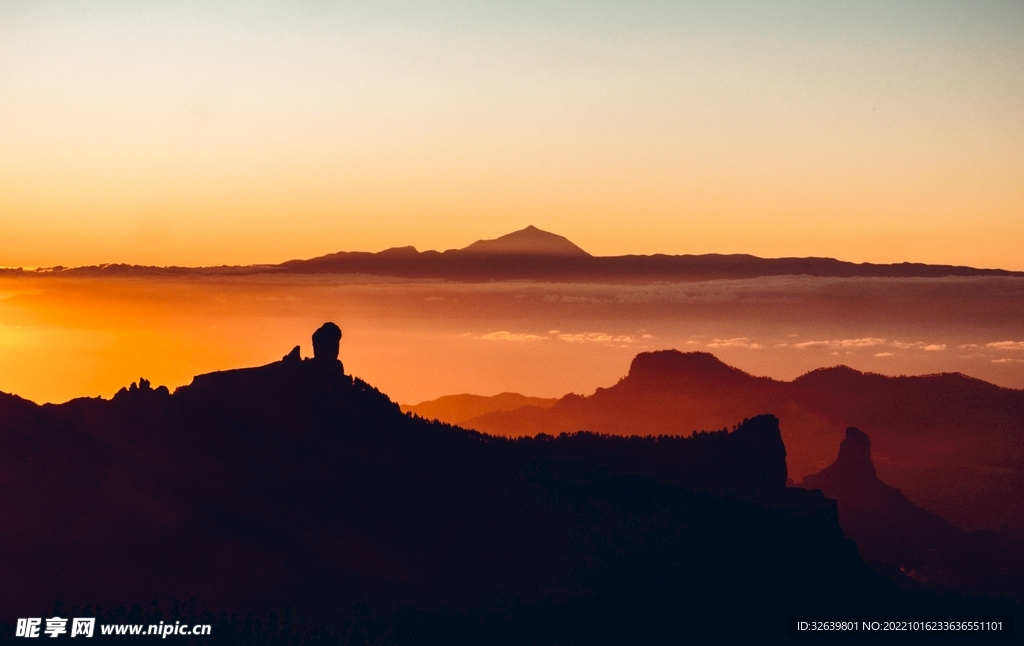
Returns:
(294, 485)
(915, 547)
(953, 444)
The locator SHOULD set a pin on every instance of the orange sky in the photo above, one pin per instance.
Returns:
(210, 133)
(63, 337)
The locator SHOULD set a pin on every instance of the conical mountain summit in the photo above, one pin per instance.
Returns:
(530, 241)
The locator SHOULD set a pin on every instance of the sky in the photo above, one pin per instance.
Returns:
(202, 133)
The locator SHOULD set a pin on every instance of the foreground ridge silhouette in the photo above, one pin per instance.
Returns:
(297, 485)
(952, 443)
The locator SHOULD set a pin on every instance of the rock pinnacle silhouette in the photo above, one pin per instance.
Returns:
(854, 464)
(326, 342)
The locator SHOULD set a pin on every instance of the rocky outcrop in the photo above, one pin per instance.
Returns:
(326, 342)
(911, 545)
(953, 444)
(293, 484)
(294, 356)
(853, 467)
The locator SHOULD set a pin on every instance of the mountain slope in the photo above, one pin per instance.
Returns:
(296, 484)
(456, 409)
(896, 535)
(530, 241)
(954, 444)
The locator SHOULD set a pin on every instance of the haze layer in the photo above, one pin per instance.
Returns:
(64, 337)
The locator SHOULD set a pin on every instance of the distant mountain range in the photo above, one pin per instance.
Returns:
(294, 485)
(460, 410)
(953, 444)
(533, 254)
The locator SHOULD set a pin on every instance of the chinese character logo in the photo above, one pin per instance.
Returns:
(55, 627)
(28, 627)
(83, 627)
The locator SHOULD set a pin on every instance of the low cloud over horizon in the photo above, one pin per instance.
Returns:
(417, 340)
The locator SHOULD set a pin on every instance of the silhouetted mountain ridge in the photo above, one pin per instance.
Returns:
(454, 409)
(909, 543)
(853, 466)
(296, 484)
(955, 444)
(533, 254)
(530, 241)
(673, 366)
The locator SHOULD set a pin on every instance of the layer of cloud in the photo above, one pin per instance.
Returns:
(1006, 345)
(599, 337)
(505, 335)
(737, 342)
(866, 342)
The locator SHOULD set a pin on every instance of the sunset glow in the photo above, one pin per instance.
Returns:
(212, 133)
(67, 337)
(548, 322)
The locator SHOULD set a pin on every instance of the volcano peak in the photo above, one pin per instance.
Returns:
(530, 241)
